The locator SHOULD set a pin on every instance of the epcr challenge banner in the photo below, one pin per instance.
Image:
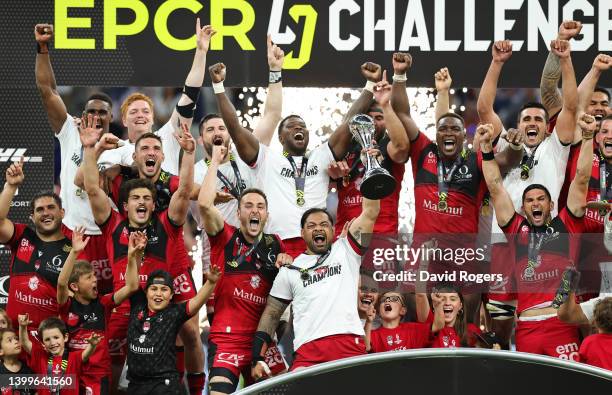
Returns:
(151, 42)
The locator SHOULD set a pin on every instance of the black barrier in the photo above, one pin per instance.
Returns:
(442, 371)
(150, 43)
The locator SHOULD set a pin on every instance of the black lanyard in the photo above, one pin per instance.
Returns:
(603, 179)
(304, 270)
(536, 240)
(64, 365)
(299, 177)
(235, 190)
(444, 180)
(236, 261)
(527, 163)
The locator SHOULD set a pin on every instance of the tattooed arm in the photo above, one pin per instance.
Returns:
(364, 224)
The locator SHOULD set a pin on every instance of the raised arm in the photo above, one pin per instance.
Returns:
(362, 227)
(179, 203)
(183, 113)
(92, 343)
(577, 195)
(399, 97)
(511, 156)
(45, 78)
(274, 100)
(24, 337)
(245, 142)
(501, 52)
(136, 246)
(14, 178)
(194, 304)
(502, 203)
(340, 140)
(211, 216)
(98, 200)
(566, 121)
(399, 145)
(443, 83)
(367, 328)
(108, 141)
(551, 96)
(79, 242)
(268, 323)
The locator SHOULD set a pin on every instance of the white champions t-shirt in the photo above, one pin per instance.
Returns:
(275, 178)
(326, 303)
(548, 169)
(74, 199)
(228, 209)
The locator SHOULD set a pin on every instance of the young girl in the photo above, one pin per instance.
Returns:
(10, 348)
(596, 349)
(448, 301)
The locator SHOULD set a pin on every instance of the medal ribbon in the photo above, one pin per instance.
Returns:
(298, 177)
(527, 163)
(63, 365)
(536, 240)
(240, 258)
(444, 180)
(235, 190)
(304, 271)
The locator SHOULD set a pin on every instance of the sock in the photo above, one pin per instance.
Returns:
(195, 382)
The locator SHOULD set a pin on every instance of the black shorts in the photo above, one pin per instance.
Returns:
(155, 386)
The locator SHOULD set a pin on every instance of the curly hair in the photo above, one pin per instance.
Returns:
(603, 315)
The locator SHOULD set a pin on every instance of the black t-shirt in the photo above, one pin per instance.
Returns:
(8, 390)
(151, 337)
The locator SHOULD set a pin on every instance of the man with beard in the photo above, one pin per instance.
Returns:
(38, 254)
(164, 232)
(394, 147)
(293, 180)
(321, 285)
(246, 256)
(544, 161)
(543, 245)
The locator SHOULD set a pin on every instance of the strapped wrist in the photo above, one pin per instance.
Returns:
(369, 86)
(218, 87)
(399, 77)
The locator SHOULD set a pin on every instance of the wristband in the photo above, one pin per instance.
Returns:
(275, 76)
(369, 86)
(488, 155)
(265, 366)
(399, 77)
(516, 147)
(218, 87)
(41, 50)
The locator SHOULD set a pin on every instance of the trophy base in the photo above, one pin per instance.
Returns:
(377, 184)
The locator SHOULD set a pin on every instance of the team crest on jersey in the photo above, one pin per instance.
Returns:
(73, 319)
(37, 265)
(142, 338)
(255, 280)
(146, 326)
(124, 237)
(33, 283)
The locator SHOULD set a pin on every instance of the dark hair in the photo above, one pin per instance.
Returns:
(374, 106)
(284, 120)
(148, 135)
(207, 118)
(382, 297)
(532, 104)
(7, 329)
(602, 90)
(536, 186)
(603, 315)
(461, 321)
(52, 323)
(315, 210)
(451, 115)
(102, 97)
(128, 186)
(81, 267)
(45, 194)
(159, 273)
(253, 190)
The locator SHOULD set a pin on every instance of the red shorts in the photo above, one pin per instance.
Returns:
(328, 348)
(94, 385)
(95, 253)
(117, 337)
(502, 262)
(184, 287)
(236, 357)
(294, 246)
(548, 337)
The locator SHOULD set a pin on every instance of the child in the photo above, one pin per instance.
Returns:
(596, 349)
(4, 319)
(10, 348)
(86, 313)
(154, 324)
(448, 301)
(393, 335)
(54, 360)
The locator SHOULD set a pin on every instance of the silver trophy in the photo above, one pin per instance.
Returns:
(377, 182)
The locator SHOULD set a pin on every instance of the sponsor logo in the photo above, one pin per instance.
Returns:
(142, 350)
(33, 283)
(429, 205)
(539, 277)
(29, 299)
(352, 200)
(182, 284)
(230, 359)
(4, 289)
(568, 351)
(15, 154)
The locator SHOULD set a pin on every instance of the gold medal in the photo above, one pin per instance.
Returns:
(486, 210)
(300, 201)
(233, 263)
(442, 205)
(529, 272)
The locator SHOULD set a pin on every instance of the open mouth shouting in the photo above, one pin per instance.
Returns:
(366, 301)
(531, 135)
(299, 136)
(254, 223)
(448, 312)
(141, 212)
(448, 145)
(217, 140)
(387, 307)
(150, 164)
(607, 148)
(537, 214)
(319, 239)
